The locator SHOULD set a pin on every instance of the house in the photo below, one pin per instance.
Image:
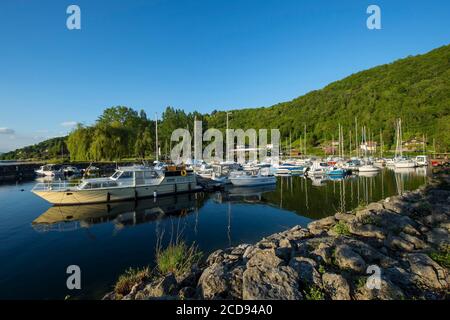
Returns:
(414, 144)
(370, 146)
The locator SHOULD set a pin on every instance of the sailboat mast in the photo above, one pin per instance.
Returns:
(356, 137)
(156, 135)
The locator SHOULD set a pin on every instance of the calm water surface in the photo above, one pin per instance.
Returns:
(38, 241)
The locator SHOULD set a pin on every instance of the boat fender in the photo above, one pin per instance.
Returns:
(183, 173)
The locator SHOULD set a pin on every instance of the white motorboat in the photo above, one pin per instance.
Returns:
(369, 168)
(48, 170)
(252, 178)
(318, 168)
(352, 165)
(390, 162)
(70, 170)
(422, 160)
(406, 163)
(126, 183)
(289, 168)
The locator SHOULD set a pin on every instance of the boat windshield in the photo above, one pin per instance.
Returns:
(116, 175)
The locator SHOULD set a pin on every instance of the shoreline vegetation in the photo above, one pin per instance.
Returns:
(405, 236)
(415, 89)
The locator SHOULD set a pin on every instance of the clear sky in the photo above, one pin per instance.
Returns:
(190, 54)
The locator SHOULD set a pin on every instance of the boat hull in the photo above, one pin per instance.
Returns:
(105, 195)
(250, 181)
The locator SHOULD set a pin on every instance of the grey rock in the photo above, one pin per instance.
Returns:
(438, 236)
(270, 284)
(235, 282)
(418, 244)
(321, 225)
(305, 268)
(239, 250)
(266, 258)
(213, 283)
(375, 206)
(367, 230)
(346, 258)
(324, 252)
(344, 217)
(427, 272)
(434, 219)
(397, 243)
(387, 291)
(164, 286)
(336, 286)
(186, 293)
(215, 257)
(398, 276)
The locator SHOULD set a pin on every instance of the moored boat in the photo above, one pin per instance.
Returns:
(421, 160)
(126, 183)
(48, 170)
(252, 178)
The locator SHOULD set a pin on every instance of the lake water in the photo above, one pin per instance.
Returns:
(38, 242)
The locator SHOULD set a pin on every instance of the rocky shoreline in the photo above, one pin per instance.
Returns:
(396, 248)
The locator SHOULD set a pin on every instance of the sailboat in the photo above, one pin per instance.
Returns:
(368, 166)
(401, 162)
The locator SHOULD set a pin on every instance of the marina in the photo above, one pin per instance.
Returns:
(44, 239)
(173, 152)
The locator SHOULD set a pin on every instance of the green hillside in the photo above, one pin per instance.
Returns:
(48, 149)
(416, 89)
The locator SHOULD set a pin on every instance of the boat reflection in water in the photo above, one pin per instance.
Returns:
(243, 194)
(121, 214)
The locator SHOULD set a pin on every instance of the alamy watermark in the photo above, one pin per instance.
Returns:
(374, 20)
(74, 279)
(73, 21)
(240, 146)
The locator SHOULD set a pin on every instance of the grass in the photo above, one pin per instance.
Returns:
(177, 258)
(442, 256)
(131, 276)
(314, 293)
(376, 221)
(322, 269)
(360, 282)
(341, 228)
(361, 205)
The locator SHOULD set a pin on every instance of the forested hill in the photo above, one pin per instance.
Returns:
(416, 89)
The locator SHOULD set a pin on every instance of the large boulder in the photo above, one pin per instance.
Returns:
(386, 291)
(321, 225)
(265, 258)
(367, 230)
(213, 283)
(270, 284)
(305, 268)
(336, 286)
(427, 272)
(164, 286)
(346, 258)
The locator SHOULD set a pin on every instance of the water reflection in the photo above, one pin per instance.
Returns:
(313, 198)
(121, 214)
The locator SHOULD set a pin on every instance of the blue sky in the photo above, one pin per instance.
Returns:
(195, 55)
